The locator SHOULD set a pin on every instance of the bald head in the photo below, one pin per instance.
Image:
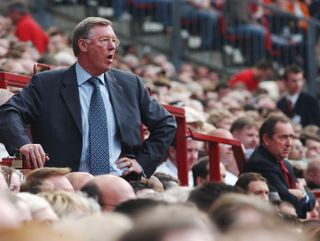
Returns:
(223, 133)
(112, 190)
(312, 172)
(78, 179)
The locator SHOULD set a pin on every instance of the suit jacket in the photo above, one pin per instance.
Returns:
(263, 162)
(306, 107)
(50, 105)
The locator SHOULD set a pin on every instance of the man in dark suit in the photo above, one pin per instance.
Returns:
(64, 120)
(299, 106)
(269, 159)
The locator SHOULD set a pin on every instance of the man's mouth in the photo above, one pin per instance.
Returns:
(110, 57)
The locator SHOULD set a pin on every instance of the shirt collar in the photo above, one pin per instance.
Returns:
(83, 76)
(293, 98)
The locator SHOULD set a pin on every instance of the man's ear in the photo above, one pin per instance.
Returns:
(83, 45)
(266, 139)
(172, 152)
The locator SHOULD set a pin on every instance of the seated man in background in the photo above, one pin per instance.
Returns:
(170, 165)
(246, 130)
(200, 172)
(270, 160)
(226, 154)
(250, 78)
(254, 184)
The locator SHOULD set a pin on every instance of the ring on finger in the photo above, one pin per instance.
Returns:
(130, 163)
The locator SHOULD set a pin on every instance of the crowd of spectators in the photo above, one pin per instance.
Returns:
(56, 204)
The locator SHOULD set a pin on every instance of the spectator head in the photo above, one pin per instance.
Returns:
(178, 227)
(167, 180)
(312, 144)
(192, 153)
(141, 187)
(276, 135)
(200, 171)
(57, 40)
(16, 10)
(52, 175)
(234, 211)
(263, 70)
(311, 175)
(226, 153)
(103, 227)
(78, 179)
(39, 207)
(118, 190)
(204, 196)
(70, 205)
(246, 130)
(221, 119)
(293, 79)
(254, 184)
(297, 151)
(136, 207)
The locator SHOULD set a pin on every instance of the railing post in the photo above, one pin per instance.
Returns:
(181, 151)
(311, 62)
(214, 162)
(175, 44)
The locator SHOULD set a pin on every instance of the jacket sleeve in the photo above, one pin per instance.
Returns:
(161, 125)
(15, 116)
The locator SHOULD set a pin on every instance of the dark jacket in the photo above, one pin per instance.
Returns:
(306, 107)
(263, 162)
(50, 105)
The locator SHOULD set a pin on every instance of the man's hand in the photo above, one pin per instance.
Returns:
(33, 155)
(297, 193)
(130, 164)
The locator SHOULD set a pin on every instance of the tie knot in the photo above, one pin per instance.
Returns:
(94, 81)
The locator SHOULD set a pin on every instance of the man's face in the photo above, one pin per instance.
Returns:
(56, 43)
(280, 143)
(260, 189)
(248, 136)
(60, 183)
(192, 152)
(266, 74)
(294, 83)
(313, 148)
(297, 151)
(98, 50)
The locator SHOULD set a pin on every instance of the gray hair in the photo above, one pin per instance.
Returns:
(83, 28)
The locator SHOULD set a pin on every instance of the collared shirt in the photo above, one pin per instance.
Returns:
(168, 167)
(85, 92)
(293, 99)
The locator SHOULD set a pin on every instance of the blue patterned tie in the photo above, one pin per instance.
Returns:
(98, 132)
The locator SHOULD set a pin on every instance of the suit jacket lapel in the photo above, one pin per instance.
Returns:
(70, 94)
(116, 94)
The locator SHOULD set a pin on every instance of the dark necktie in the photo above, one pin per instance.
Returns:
(289, 179)
(98, 162)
